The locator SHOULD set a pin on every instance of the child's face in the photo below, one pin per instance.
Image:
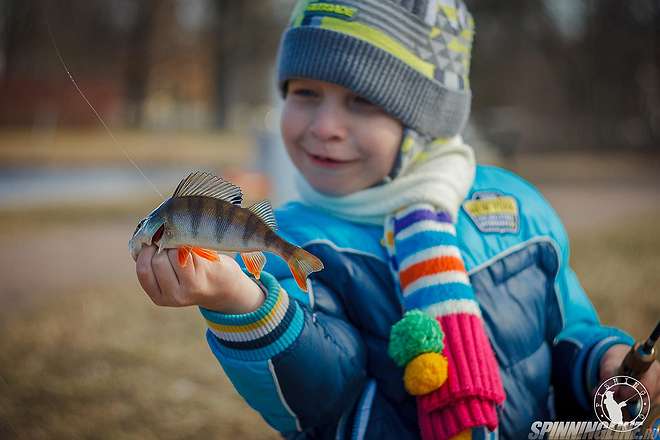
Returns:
(340, 142)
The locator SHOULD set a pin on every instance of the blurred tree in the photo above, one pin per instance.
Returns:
(566, 74)
(545, 73)
(36, 90)
(245, 37)
(622, 51)
(16, 21)
(138, 60)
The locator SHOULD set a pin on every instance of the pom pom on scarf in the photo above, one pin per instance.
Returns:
(426, 373)
(414, 334)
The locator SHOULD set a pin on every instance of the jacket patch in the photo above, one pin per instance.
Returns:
(493, 211)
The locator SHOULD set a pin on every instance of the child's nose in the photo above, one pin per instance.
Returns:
(329, 122)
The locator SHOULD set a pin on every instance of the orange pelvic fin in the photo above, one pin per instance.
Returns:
(209, 254)
(301, 264)
(184, 252)
(254, 262)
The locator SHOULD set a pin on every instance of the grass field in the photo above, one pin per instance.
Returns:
(105, 363)
(108, 364)
(85, 354)
(95, 147)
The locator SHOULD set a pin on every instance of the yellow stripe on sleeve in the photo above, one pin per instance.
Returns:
(252, 326)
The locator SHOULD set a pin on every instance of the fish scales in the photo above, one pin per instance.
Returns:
(223, 221)
(205, 215)
(237, 229)
(270, 238)
(195, 210)
(250, 228)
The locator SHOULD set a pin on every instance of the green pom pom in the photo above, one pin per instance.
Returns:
(414, 334)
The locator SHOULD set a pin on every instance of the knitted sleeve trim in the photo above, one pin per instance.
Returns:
(260, 334)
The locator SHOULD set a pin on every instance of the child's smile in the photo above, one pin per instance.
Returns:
(327, 162)
(339, 141)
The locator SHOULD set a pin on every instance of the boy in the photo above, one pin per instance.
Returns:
(376, 98)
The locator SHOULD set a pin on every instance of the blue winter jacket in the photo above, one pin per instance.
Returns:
(322, 370)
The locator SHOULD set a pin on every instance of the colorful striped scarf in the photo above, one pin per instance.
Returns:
(449, 363)
(425, 258)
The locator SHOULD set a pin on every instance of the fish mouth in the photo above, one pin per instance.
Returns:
(158, 235)
(141, 240)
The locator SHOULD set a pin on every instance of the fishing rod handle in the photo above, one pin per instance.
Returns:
(636, 362)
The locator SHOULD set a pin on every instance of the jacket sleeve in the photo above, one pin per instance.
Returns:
(298, 368)
(581, 343)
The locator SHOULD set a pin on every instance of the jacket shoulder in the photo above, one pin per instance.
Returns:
(503, 212)
(306, 226)
(303, 224)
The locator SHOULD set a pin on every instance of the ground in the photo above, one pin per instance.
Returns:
(85, 354)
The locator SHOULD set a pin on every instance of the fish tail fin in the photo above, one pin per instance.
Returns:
(209, 254)
(302, 263)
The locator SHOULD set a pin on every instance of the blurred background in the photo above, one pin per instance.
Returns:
(566, 93)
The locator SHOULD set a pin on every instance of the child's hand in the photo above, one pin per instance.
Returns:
(610, 363)
(221, 286)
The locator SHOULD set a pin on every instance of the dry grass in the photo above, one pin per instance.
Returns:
(109, 364)
(93, 147)
(622, 167)
(47, 216)
(619, 270)
(105, 363)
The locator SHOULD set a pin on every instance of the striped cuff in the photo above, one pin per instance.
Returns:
(263, 333)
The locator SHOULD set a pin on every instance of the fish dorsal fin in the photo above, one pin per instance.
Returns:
(264, 211)
(201, 183)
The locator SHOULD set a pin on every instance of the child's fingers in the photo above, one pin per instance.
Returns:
(146, 275)
(184, 274)
(166, 278)
(187, 278)
(651, 380)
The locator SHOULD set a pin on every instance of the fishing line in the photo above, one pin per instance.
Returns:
(75, 84)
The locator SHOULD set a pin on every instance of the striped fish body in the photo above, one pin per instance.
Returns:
(204, 216)
(219, 225)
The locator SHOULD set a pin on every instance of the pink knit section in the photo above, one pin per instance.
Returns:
(473, 388)
(468, 413)
(472, 367)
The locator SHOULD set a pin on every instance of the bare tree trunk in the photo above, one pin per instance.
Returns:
(137, 66)
(16, 16)
(246, 38)
(649, 84)
(227, 56)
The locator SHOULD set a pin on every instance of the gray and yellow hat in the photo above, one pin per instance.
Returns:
(410, 57)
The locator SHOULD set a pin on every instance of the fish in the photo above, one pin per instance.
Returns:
(204, 216)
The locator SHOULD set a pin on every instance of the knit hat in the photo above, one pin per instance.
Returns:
(409, 57)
